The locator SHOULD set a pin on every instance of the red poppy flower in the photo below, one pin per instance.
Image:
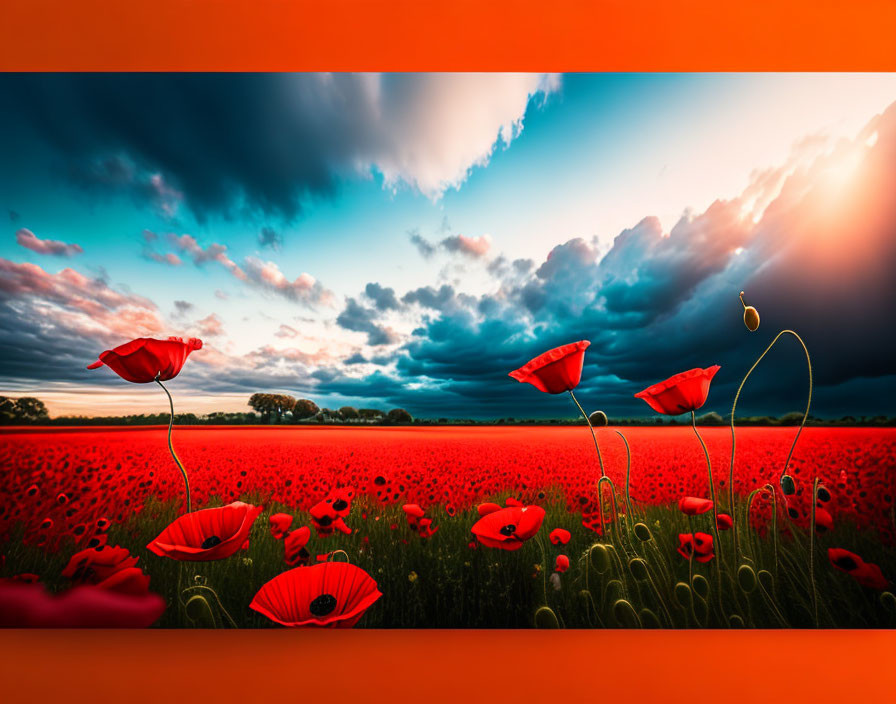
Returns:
(31, 606)
(94, 565)
(561, 564)
(23, 578)
(413, 513)
(865, 573)
(823, 520)
(510, 501)
(326, 517)
(144, 359)
(294, 546)
(724, 521)
(509, 527)
(555, 371)
(209, 534)
(425, 528)
(698, 543)
(560, 536)
(869, 575)
(692, 506)
(334, 594)
(487, 508)
(280, 523)
(681, 393)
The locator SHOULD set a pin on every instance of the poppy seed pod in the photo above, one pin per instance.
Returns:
(598, 419)
(546, 618)
(599, 557)
(735, 621)
(888, 600)
(683, 594)
(199, 612)
(701, 585)
(625, 614)
(746, 578)
(649, 619)
(788, 486)
(615, 590)
(642, 532)
(639, 569)
(751, 315)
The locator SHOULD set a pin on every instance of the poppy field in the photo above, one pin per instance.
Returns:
(450, 527)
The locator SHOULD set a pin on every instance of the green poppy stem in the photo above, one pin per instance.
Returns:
(734, 408)
(812, 553)
(177, 461)
(591, 428)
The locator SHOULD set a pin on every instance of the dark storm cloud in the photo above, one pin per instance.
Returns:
(383, 298)
(359, 318)
(250, 144)
(819, 260)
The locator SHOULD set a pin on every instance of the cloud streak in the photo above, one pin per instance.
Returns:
(27, 239)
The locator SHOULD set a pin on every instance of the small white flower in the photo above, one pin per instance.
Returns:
(555, 581)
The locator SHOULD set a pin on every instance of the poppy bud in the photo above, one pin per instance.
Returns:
(615, 590)
(546, 618)
(766, 580)
(746, 578)
(888, 600)
(735, 621)
(701, 585)
(625, 614)
(683, 594)
(599, 557)
(638, 569)
(788, 486)
(598, 419)
(649, 619)
(199, 612)
(642, 532)
(751, 315)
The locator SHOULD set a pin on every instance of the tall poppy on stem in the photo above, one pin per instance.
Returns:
(144, 360)
(557, 371)
(751, 318)
(683, 393)
(560, 370)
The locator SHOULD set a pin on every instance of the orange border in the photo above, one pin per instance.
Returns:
(432, 666)
(405, 667)
(435, 35)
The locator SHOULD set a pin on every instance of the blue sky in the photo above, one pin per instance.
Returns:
(409, 239)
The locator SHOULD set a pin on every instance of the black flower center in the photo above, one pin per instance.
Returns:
(379, 481)
(508, 529)
(210, 542)
(846, 563)
(340, 505)
(324, 521)
(323, 605)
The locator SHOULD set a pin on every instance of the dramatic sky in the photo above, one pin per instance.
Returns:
(407, 240)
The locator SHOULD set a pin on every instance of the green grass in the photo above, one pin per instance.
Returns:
(443, 583)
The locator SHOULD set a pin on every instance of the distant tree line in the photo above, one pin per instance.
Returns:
(274, 409)
(22, 411)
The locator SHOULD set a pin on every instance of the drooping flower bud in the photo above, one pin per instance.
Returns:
(751, 315)
(598, 419)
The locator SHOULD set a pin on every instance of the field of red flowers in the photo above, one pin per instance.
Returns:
(415, 511)
(59, 483)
